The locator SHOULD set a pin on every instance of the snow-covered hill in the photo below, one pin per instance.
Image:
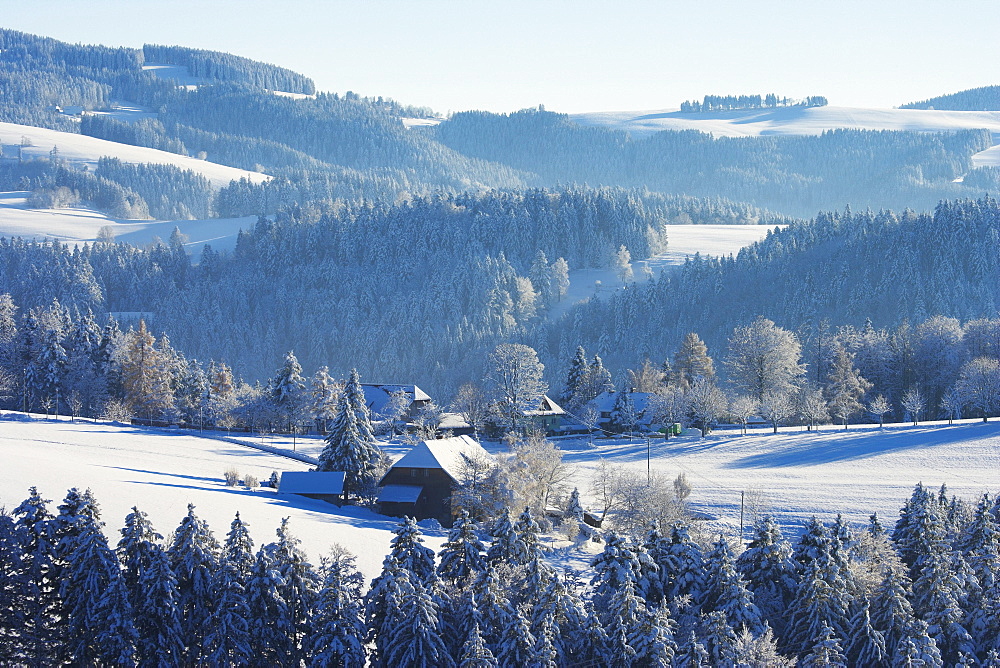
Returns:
(792, 120)
(80, 224)
(799, 474)
(82, 150)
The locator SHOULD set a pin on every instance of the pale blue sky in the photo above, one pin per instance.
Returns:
(571, 55)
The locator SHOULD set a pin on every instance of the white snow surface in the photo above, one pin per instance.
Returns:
(161, 471)
(80, 224)
(855, 472)
(177, 73)
(81, 150)
(792, 120)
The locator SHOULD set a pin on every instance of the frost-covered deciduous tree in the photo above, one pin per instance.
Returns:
(913, 403)
(776, 407)
(879, 407)
(742, 408)
(706, 403)
(764, 358)
(515, 377)
(978, 385)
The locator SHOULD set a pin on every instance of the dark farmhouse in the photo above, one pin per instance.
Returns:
(420, 484)
(378, 397)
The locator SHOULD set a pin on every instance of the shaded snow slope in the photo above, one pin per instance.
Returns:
(162, 471)
(83, 150)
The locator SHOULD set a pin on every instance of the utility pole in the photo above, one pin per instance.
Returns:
(741, 515)
(649, 471)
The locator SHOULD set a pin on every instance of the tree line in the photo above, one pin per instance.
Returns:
(922, 593)
(734, 102)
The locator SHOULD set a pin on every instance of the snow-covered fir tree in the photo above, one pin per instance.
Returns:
(338, 632)
(194, 559)
(463, 555)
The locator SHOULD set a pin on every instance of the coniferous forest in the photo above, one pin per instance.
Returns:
(922, 592)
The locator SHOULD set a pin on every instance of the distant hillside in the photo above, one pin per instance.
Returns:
(986, 98)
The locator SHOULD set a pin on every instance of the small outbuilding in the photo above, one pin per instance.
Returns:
(323, 485)
(421, 483)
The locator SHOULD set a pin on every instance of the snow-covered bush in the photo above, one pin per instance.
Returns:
(251, 482)
(232, 476)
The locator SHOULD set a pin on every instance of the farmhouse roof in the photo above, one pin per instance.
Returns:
(545, 407)
(378, 395)
(311, 482)
(447, 454)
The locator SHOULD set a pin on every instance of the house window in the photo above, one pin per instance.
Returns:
(413, 473)
(427, 473)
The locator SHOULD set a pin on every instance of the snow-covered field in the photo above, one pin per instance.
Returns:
(82, 150)
(792, 120)
(162, 471)
(79, 224)
(857, 472)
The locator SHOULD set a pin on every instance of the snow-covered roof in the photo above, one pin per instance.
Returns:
(378, 395)
(605, 402)
(545, 407)
(400, 493)
(311, 482)
(447, 454)
(453, 421)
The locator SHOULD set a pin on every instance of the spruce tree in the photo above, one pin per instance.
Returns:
(504, 544)
(99, 616)
(43, 636)
(475, 653)
(350, 445)
(298, 587)
(157, 617)
(891, 612)
(826, 651)
(14, 585)
(726, 591)
(462, 556)
(414, 634)
(410, 553)
(288, 390)
(576, 381)
(614, 568)
(769, 570)
(338, 636)
(865, 644)
(194, 558)
(517, 644)
(138, 541)
(683, 568)
(271, 622)
(692, 654)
